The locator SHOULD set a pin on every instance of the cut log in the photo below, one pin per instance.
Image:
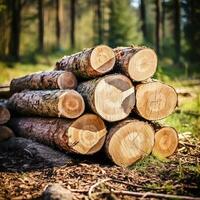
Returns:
(139, 63)
(112, 97)
(89, 63)
(155, 100)
(29, 155)
(4, 115)
(166, 142)
(129, 141)
(85, 135)
(53, 103)
(44, 80)
(5, 133)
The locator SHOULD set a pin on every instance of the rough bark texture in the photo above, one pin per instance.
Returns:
(55, 103)
(129, 141)
(44, 80)
(155, 100)
(81, 63)
(112, 97)
(4, 114)
(5, 133)
(137, 66)
(60, 132)
(37, 155)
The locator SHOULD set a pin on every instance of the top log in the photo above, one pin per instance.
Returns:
(44, 80)
(139, 63)
(89, 63)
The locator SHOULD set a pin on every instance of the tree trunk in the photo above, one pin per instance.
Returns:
(143, 18)
(85, 135)
(157, 26)
(41, 24)
(73, 21)
(53, 103)
(5, 133)
(166, 142)
(44, 80)
(112, 97)
(14, 45)
(138, 63)
(129, 141)
(98, 21)
(89, 63)
(58, 6)
(177, 30)
(4, 115)
(155, 100)
(163, 18)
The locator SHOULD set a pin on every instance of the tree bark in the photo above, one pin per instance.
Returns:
(44, 80)
(14, 46)
(112, 97)
(157, 38)
(129, 141)
(89, 63)
(4, 115)
(138, 63)
(55, 103)
(155, 100)
(58, 6)
(41, 24)
(73, 21)
(143, 18)
(177, 30)
(85, 135)
(166, 141)
(36, 155)
(5, 133)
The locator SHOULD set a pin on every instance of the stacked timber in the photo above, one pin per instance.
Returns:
(99, 98)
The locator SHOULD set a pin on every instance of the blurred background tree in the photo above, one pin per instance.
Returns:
(31, 29)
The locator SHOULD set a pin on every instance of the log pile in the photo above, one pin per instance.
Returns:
(99, 98)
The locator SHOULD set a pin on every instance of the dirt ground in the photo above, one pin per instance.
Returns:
(22, 177)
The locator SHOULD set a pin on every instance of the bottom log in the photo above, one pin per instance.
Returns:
(32, 154)
(129, 141)
(85, 135)
(5, 133)
(166, 142)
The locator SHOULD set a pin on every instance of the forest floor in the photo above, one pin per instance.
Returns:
(21, 177)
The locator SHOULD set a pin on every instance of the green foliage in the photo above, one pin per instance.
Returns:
(123, 24)
(192, 29)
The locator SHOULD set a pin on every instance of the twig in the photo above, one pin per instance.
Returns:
(137, 194)
(4, 86)
(135, 185)
(188, 144)
(95, 185)
(156, 195)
